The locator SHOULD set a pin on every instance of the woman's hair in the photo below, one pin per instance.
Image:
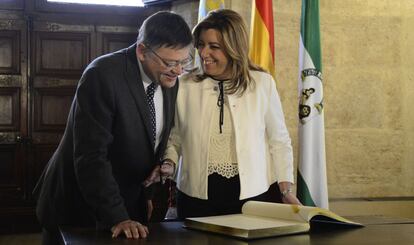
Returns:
(234, 38)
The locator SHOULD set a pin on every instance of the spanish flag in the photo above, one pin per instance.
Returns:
(262, 48)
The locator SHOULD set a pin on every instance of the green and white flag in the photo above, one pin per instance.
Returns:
(312, 187)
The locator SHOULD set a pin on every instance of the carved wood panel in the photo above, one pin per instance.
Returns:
(9, 52)
(13, 104)
(11, 4)
(9, 109)
(61, 54)
(11, 177)
(114, 41)
(51, 108)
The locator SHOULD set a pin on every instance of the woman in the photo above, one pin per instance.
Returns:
(229, 127)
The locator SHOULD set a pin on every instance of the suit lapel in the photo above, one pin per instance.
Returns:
(167, 112)
(136, 87)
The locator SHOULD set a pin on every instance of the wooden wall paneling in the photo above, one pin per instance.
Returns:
(11, 177)
(9, 109)
(13, 60)
(51, 108)
(61, 50)
(60, 53)
(9, 51)
(13, 104)
(12, 4)
(113, 38)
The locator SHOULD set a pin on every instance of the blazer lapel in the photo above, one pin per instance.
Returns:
(167, 112)
(136, 87)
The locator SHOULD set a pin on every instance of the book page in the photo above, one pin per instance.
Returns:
(275, 210)
(289, 212)
(245, 222)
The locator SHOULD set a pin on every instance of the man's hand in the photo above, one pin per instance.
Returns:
(166, 170)
(131, 229)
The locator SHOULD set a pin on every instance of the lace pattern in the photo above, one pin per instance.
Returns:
(224, 169)
(222, 149)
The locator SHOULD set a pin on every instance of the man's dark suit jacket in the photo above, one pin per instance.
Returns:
(106, 151)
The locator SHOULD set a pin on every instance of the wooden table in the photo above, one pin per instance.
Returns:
(171, 233)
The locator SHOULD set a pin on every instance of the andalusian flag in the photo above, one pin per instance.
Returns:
(208, 5)
(312, 185)
(262, 47)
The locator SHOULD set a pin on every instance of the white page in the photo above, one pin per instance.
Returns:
(246, 222)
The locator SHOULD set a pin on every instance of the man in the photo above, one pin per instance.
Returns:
(116, 131)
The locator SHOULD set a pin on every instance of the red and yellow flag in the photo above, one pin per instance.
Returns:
(262, 47)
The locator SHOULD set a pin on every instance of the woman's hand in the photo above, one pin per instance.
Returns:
(289, 198)
(160, 173)
(287, 195)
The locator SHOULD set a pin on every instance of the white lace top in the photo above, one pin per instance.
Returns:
(222, 149)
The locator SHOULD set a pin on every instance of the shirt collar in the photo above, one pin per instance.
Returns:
(145, 79)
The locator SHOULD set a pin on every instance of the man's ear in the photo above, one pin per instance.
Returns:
(140, 51)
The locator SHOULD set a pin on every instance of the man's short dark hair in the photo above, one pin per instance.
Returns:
(165, 29)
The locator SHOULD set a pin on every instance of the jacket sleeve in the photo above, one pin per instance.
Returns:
(278, 136)
(93, 119)
(173, 149)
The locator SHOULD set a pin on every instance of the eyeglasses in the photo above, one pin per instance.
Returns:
(185, 64)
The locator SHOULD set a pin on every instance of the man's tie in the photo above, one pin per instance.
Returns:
(150, 99)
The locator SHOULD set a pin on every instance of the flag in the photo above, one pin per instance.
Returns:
(206, 6)
(262, 47)
(312, 187)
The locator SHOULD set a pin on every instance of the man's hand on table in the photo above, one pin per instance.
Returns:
(131, 229)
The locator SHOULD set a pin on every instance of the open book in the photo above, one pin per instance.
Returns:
(263, 219)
